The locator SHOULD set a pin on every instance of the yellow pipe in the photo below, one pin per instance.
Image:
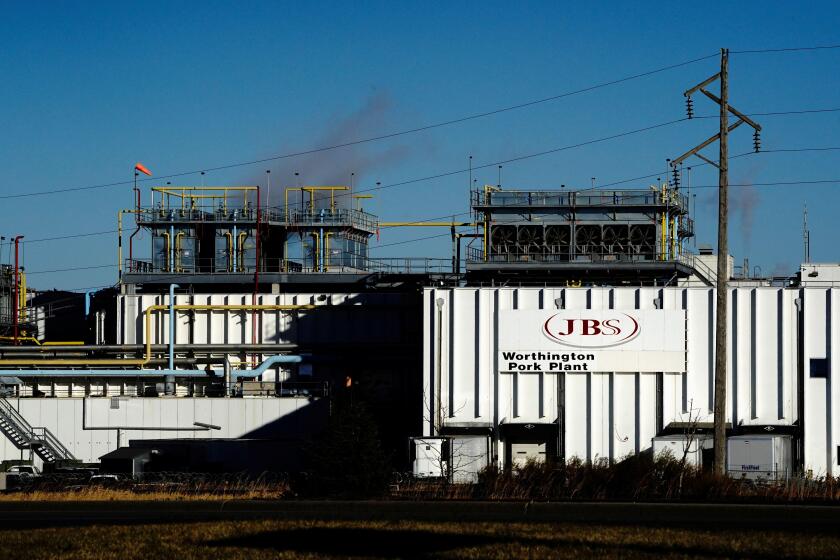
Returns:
(359, 198)
(229, 236)
(178, 237)
(317, 250)
(22, 296)
(241, 249)
(428, 224)
(22, 339)
(327, 236)
(178, 191)
(168, 249)
(148, 321)
(671, 229)
(311, 190)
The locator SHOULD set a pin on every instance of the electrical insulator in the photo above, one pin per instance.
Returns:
(756, 141)
(689, 107)
(676, 179)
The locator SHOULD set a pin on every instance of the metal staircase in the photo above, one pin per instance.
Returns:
(701, 270)
(24, 436)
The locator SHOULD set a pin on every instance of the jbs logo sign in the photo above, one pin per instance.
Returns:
(596, 331)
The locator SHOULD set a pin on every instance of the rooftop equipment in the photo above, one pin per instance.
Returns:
(589, 234)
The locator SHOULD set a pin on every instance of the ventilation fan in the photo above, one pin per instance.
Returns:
(557, 241)
(587, 239)
(643, 240)
(529, 240)
(615, 239)
(502, 239)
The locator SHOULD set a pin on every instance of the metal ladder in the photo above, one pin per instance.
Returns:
(24, 436)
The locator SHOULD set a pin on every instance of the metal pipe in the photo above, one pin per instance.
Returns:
(165, 235)
(230, 251)
(15, 309)
(315, 251)
(158, 373)
(257, 267)
(169, 387)
(227, 375)
(136, 223)
(234, 249)
(321, 233)
(243, 235)
(194, 428)
(178, 251)
(171, 248)
(148, 321)
(326, 263)
(156, 348)
(119, 246)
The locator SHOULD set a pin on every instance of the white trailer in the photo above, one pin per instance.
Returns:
(679, 445)
(765, 457)
(430, 457)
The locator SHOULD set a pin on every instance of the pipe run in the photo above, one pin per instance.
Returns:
(148, 355)
(156, 373)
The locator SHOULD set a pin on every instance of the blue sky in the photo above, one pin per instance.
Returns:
(89, 89)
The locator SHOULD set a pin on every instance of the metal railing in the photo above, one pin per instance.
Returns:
(197, 214)
(23, 435)
(53, 444)
(702, 270)
(526, 199)
(327, 217)
(292, 216)
(566, 254)
(336, 265)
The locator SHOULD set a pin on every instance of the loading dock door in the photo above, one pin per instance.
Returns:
(521, 453)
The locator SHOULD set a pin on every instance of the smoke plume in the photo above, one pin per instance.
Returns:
(743, 201)
(334, 167)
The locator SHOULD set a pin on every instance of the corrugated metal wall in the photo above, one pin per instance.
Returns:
(820, 339)
(340, 318)
(612, 414)
(234, 417)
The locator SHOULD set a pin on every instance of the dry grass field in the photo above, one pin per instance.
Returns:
(321, 539)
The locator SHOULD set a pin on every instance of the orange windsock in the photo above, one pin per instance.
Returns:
(142, 169)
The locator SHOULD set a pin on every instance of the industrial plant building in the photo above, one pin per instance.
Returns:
(566, 324)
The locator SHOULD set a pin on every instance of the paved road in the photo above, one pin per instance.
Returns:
(821, 519)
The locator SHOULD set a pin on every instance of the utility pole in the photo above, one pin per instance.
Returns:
(723, 235)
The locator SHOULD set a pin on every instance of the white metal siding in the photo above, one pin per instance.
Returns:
(613, 414)
(63, 417)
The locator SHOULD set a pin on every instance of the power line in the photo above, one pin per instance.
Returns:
(649, 176)
(521, 158)
(563, 148)
(422, 128)
(92, 267)
(437, 236)
(773, 184)
(452, 215)
(412, 240)
(73, 236)
(790, 49)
